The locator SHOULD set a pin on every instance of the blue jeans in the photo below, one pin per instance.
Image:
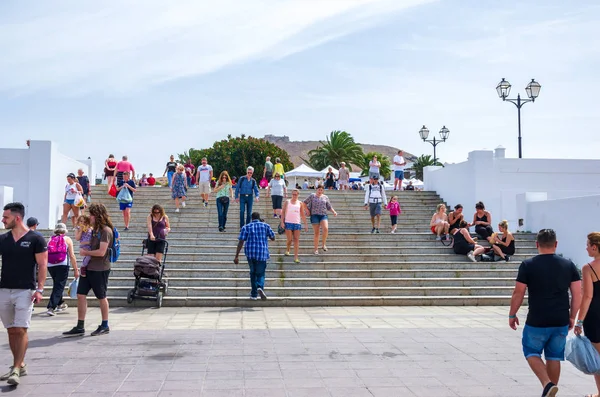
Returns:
(246, 201)
(550, 340)
(257, 276)
(222, 209)
(170, 177)
(59, 275)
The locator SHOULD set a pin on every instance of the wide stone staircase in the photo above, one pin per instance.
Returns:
(360, 268)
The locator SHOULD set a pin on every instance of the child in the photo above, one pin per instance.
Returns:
(394, 208)
(83, 233)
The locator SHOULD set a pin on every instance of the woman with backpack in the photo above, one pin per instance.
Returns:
(60, 255)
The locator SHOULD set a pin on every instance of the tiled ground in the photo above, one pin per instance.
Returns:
(271, 352)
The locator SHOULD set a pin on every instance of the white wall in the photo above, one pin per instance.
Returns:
(498, 181)
(571, 218)
(37, 176)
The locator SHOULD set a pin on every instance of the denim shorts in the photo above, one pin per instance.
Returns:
(123, 206)
(293, 226)
(550, 340)
(399, 174)
(316, 219)
(70, 202)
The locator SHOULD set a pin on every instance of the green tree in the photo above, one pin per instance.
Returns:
(340, 146)
(385, 170)
(235, 154)
(421, 162)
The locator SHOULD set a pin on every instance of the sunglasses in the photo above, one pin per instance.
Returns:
(156, 212)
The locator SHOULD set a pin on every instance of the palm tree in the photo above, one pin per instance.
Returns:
(384, 170)
(340, 146)
(421, 162)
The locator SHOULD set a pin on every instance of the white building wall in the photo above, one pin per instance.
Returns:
(571, 218)
(37, 177)
(498, 181)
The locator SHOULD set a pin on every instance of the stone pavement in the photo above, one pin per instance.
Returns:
(272, 352)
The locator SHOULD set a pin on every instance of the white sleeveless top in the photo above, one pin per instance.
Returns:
(71, 195)
(292, 214)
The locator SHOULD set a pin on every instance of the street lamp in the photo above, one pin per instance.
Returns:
(532, 90)
(444, 132)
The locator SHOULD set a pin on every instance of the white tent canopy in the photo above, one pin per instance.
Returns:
(325, 170)
(304, 171)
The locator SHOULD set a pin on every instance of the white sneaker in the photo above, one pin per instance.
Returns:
(183, 204)
(471, 257)
(176, 209)
(393, 232)
(50, 313)
(438, 238)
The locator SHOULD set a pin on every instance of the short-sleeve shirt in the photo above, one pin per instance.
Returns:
(548, 278)
(204, 172)
(277, 187)
(256, 235)
(344, 174)
(98, 263)
(124, 166)
(171, 166)
(269, 166)
(85, 183)
(278, 169)
(318, 205)
(129, 182)
(398, 159)
(189, 169)
(18, 260)
(374, 166)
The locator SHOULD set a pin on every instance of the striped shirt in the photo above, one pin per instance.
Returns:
(256, 235)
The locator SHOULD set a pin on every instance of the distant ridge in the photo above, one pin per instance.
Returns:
(299, 149)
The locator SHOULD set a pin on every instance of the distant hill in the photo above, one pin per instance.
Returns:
(298, 149)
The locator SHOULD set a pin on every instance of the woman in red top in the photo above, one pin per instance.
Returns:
(110, 165)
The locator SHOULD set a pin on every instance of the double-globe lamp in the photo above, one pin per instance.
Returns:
(532, 90)
(424, 133)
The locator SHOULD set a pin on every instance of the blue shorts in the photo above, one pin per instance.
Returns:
(550, 340)
(316, 219)
(70, 202)
(123, 206)
(293, 226)
(399, 174)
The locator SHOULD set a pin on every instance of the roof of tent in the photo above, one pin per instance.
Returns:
(305, 171)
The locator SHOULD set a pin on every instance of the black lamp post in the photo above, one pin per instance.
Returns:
(532, 90)
(444, 132)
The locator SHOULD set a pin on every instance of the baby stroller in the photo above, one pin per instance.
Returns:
(148, 272)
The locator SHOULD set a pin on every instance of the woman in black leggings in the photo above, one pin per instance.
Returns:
(482, 220)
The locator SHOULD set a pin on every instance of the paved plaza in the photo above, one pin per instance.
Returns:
(272, 352)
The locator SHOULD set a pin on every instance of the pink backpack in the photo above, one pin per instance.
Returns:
(57, 249)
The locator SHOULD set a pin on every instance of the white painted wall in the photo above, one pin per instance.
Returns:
(37, 177)
(6, 196)
(498, 182)
(571, 218)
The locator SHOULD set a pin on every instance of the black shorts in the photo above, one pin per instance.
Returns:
(463, 249)
(155, 246)
(96, 281)
(277, 202)
(394, 219)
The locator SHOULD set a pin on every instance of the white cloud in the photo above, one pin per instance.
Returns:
(123, 46)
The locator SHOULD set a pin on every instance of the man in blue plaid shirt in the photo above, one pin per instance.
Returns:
(255, 235)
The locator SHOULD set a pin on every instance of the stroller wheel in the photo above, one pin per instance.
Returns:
(130, 296)
(166, 287)
(159, 299)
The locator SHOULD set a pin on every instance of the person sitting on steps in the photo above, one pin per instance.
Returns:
(439, 222)
(504, 247)
(482, 220)
(464, 243)
(455, 217)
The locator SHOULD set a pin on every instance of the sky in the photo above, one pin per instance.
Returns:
(152, 78)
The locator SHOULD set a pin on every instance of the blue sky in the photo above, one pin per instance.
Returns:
(152, 78)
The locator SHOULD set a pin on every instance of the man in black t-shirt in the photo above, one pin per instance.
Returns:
(22, 251)
(548, 278)
(85, 185)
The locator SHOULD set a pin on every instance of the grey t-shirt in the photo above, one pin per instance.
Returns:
(277, 186)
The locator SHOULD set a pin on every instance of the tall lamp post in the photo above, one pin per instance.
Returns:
(532, 90)
(444, 132)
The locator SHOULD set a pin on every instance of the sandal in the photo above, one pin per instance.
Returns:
(324, 248)
(317, 252)
(296, 260)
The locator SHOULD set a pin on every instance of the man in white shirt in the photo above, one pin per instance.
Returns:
(204, 174)
(374, 198)
(343, 177)
(399, 164)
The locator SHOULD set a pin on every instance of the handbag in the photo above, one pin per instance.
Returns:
(124, 197)
(263, 183)
(223, 200)
(280, 229)
(113, 190)
(580, 352)
(79, 200)
(72, 290)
